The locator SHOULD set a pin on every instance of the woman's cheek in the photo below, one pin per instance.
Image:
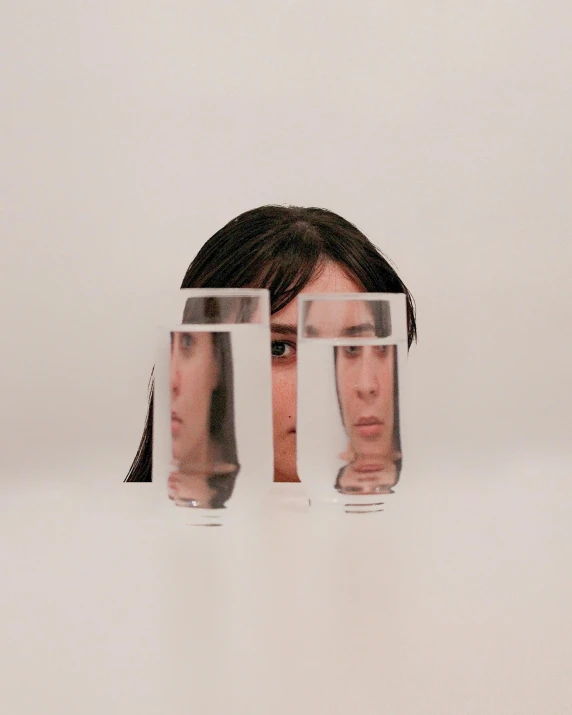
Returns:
(284, 418)
(283, 397)
(344, 382)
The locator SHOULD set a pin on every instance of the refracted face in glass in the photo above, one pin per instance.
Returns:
(194, 377)
(365, 376)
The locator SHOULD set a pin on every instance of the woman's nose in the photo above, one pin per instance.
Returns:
(367, 379)
(175, 378)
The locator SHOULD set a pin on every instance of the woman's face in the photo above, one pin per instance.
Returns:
(364, 375)
(194, 376)
(284, 325)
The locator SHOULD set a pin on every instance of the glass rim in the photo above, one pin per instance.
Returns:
(210, 327)
(222, 292)
(353, 342)
(261, 296)
(305, 297)
(397, 306)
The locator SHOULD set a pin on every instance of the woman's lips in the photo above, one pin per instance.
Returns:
(176, 424)
(369, 429)
(369, 426)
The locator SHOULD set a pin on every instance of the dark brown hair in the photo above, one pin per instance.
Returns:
(281, 248)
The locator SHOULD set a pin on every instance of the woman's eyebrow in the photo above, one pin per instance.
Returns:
(357, 330)
(283, 329)
(352, 331)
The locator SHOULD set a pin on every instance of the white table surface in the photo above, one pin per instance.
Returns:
(457, 599)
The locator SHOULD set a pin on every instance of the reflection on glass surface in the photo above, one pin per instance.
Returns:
(368, 476)
(348, 396)
(202, 419)
(347, 319)
(200, 310)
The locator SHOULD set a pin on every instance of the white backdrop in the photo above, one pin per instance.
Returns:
(132, 131)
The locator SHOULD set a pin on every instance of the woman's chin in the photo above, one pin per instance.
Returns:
(290, 476)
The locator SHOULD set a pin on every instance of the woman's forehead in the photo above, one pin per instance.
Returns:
(333, 316)
(330, 279)
(333, 278)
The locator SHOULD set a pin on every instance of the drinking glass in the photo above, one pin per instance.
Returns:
(212, 447)
(352, 350)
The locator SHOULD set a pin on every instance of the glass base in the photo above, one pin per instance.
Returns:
(349, 504)
(195, 516)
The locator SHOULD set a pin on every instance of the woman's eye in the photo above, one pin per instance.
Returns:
(382, 349)
(281, 349)
(186, 341)
(352, 350)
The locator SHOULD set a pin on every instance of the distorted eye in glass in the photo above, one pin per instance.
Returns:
(186, 341)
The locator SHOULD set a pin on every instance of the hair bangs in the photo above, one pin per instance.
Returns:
(287, 274)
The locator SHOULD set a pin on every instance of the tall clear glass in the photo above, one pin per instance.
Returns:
(352, 350)
(212, 423)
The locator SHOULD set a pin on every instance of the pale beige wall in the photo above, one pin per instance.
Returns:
(132, 131)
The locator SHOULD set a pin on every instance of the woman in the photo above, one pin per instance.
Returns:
(202, 419)
(288, 250)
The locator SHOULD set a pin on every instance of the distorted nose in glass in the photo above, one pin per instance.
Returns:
(204, 453)
(366, 389)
